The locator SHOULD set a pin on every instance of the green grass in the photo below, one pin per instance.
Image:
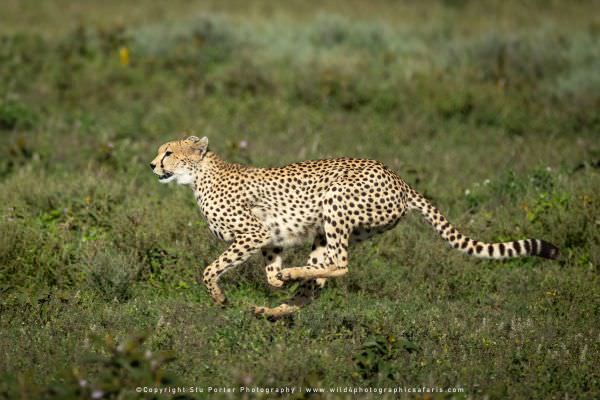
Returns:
(489, 108)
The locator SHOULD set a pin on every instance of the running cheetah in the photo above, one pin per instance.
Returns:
(334, 201)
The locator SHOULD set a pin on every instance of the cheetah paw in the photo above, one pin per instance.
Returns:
(285, 276)
(275, 281)
(275, 313)
(257, 310)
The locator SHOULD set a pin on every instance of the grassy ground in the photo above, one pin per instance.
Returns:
(488, 108)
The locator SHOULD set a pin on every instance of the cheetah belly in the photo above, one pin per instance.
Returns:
(287, 230)
(290, 233)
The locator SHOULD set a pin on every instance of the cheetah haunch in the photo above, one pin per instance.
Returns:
(335, 201)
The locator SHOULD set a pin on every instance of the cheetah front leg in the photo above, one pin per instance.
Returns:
(273, 261)
(244, 245)
(306, 292)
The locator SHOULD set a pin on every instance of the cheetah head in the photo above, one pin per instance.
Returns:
(177, 160)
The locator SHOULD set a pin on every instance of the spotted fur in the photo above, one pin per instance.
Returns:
(334, 201)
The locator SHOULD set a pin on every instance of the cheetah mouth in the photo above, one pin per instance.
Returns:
(165, 176)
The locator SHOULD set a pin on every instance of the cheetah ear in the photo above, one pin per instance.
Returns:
(199, 145)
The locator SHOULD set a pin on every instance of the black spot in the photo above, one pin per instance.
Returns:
(502, 248)
(490, 250)
(479, 248)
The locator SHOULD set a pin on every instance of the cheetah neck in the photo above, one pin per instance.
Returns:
(210, 172)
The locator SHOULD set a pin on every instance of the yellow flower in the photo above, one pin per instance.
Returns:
(124, 56)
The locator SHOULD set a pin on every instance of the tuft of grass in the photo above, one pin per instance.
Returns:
(14, 115)
(111, 277)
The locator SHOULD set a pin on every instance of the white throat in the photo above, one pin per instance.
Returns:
(186, 179)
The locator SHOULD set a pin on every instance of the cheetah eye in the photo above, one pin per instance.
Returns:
(168, 153)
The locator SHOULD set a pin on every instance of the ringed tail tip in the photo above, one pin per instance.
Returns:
(548, 250)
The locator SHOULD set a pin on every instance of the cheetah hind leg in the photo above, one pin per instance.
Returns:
(334, 262)
(306, 292)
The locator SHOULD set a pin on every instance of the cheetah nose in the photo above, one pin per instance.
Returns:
(152, 166)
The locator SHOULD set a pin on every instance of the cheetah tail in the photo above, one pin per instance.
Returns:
(517, 248)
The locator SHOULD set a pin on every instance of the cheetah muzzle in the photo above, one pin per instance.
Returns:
(165, 176)
(335, 202)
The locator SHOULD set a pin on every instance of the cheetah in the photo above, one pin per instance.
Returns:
(334, 202)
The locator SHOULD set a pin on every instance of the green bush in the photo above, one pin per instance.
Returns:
(14, 115)
(112, 276)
